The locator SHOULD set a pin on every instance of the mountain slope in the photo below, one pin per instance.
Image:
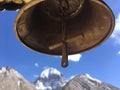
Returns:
(12, 80)
(85, 82)
(50, 79)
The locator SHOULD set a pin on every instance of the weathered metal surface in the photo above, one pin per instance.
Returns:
(88, 23)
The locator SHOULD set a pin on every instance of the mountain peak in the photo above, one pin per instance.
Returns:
(8, 71)
(86, 82)
(5, 69)
(89, 78)
(49, 72)
(10, 79)
(50, 79)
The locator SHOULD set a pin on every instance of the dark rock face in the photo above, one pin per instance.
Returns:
(12, 80)
(85, 82)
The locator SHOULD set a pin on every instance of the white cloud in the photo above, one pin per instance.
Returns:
(119, 52)
(36, 65)
(75, 57)
(116, 34)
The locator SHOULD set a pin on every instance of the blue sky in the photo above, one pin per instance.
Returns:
(102, 62)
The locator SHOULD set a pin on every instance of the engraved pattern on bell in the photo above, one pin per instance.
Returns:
(63, 8)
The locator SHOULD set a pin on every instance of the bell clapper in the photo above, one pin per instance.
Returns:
(64, 55)
(64, 46)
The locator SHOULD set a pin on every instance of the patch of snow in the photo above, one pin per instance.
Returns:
(49, 71)
(40, 86)
(18, 83)
(88, 76)
(2, 70)
(17, 74)
(72, 77)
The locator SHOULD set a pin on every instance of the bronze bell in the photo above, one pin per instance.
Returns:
(64, 27)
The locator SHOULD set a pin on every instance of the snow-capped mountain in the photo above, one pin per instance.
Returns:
(50, 79)
(12, 80)
(86, 82)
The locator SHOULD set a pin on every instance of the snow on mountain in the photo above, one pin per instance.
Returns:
(91, 78)
(12, 80)
(50, 79)
(86, 82)
(48, 72)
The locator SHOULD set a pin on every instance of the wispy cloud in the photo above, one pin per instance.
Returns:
(75, 57)
(35, 76)
(36, 65)
(116, 34)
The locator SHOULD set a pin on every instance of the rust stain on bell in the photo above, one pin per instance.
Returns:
(64, 27)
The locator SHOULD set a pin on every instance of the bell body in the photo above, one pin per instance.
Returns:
(40, 25)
